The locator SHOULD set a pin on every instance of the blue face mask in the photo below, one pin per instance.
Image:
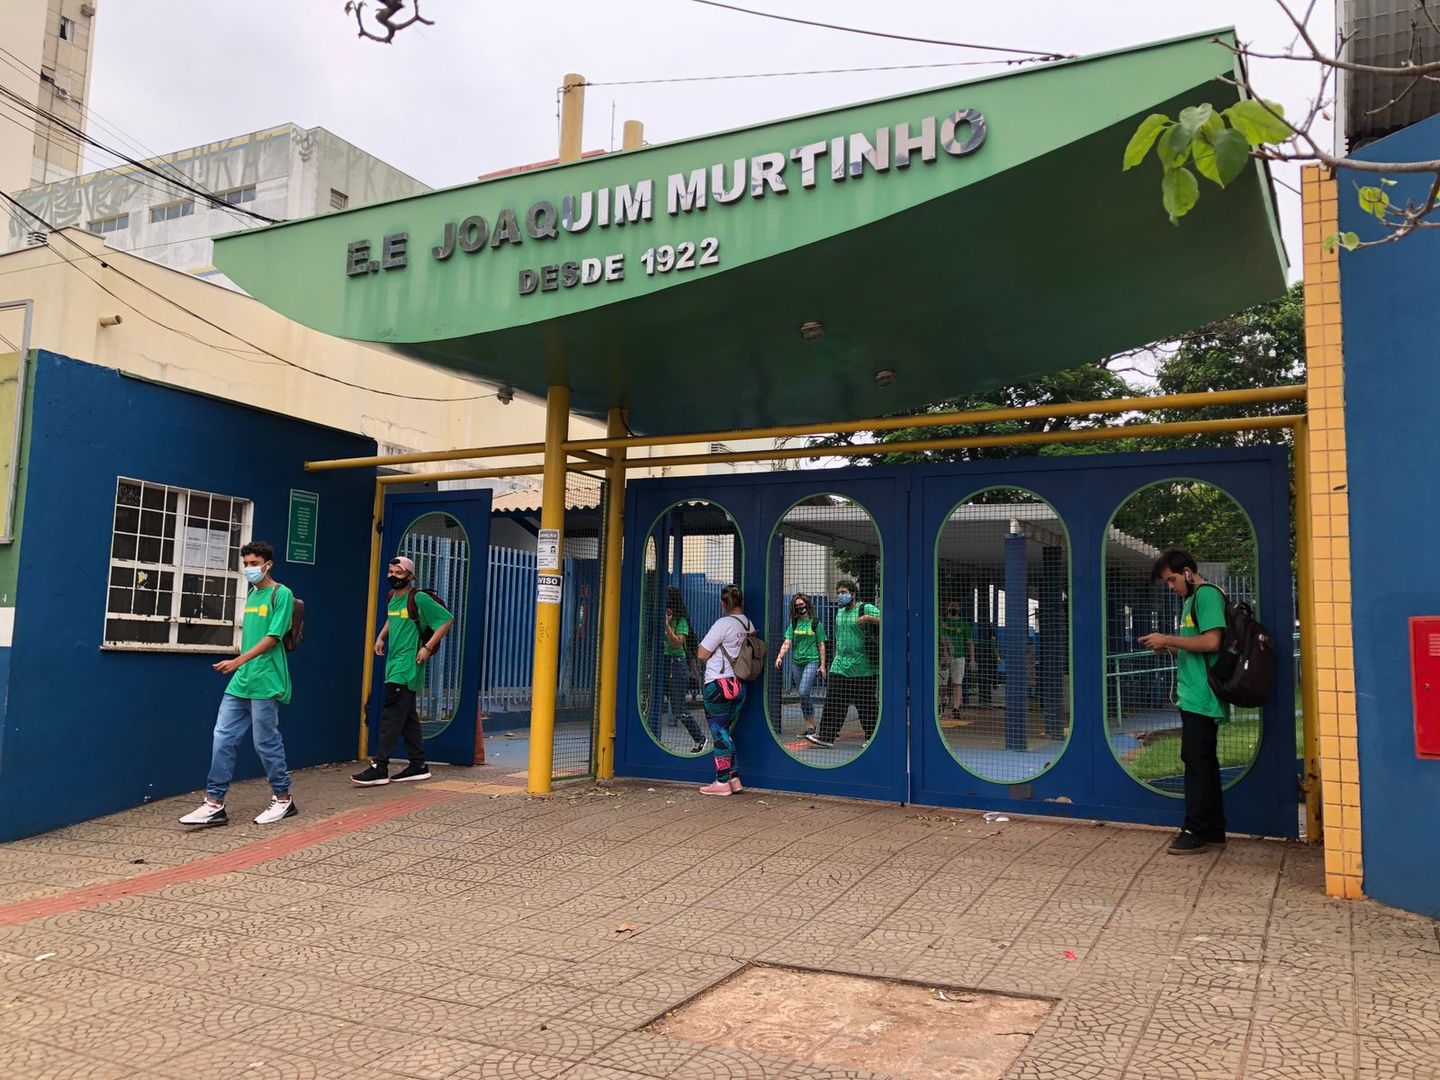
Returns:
(254, 574)
(843, 599)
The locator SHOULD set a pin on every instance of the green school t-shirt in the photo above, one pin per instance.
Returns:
(267, 614)
(404, 639)
(681, 626)
(960, 634)
(1203, 611)
(805, 637)
(850, 658)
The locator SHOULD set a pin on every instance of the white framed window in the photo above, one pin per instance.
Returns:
(175, 581)
(171, 211)
(101, 226)
(236, 196)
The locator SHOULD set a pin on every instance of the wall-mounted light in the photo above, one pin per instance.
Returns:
(110, 320)
(884, 377)
(812, 330)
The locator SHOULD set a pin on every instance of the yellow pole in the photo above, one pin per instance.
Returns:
(634, 138)
(610, 599)
(372, 598)
(572, 117)
(1309, 647)
(547, 593)
(1038, 438)
(1263, 396)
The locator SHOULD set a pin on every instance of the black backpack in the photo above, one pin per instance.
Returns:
(1243, 671)
(296, 634)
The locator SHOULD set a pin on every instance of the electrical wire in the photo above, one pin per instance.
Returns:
(882, 34)
(65, 125)
(256, 349)
(785, 74)
(91, 116)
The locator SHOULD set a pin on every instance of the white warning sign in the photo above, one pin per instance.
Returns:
(547, 550)
(548, 588)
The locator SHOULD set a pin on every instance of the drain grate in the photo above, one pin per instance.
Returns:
(851, 1022)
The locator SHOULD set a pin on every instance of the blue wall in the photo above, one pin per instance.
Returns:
(87, 731)
(1392, 429)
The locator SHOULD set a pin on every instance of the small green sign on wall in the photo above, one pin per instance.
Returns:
(304, 516)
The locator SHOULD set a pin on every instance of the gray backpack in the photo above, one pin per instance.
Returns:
(748, 663)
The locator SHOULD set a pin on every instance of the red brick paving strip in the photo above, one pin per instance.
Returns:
(291, 840)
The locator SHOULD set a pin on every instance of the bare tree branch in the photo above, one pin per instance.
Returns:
(386, 17)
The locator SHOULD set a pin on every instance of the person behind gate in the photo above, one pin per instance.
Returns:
(259, 685)
(957, 646)
(724, 694)
(852, 671)
(677, 669)
(807, 636)
(1202, 626)
(407, 609)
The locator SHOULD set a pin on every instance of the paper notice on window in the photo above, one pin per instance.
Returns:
(548, 588)
(207, 548)
(547, 550)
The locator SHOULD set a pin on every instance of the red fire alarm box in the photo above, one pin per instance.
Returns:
(1425, 682)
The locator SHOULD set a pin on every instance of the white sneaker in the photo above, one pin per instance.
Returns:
(277, 810)
(208, 813)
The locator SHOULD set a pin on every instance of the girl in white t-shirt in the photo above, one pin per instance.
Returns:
(724, 694)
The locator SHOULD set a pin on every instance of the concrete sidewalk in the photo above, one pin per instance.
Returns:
(459, 928)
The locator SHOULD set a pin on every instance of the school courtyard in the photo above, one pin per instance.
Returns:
(461, 928)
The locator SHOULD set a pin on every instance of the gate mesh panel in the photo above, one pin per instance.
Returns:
(576, 702)
(1141, 718)
(1001, 636)
(441, 551)
(692, 552)
(818, 542)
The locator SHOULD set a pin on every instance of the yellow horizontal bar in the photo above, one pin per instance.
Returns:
(421, 456)
(459, 474)
(1132, 431)
(1264, 396)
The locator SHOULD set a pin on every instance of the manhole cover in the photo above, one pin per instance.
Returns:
(845, 1021)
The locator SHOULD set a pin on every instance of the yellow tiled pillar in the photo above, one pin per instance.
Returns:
(1330, 533)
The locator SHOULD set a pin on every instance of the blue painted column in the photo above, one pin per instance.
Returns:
(1017, 640)
(777, 613)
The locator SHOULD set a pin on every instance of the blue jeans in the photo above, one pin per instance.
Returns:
(262, 716)
(722, 714)
(807, 682)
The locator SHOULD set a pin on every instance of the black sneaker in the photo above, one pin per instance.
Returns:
(698, 747)
(1216, 841)
(374, 776)
(415, 770)
(1187, 843)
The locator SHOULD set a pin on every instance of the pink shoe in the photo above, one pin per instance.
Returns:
(717, 788)
(735, 786)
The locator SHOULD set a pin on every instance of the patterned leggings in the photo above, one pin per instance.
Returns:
(722, 713)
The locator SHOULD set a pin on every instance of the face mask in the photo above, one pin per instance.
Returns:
(397, 583)
(254, 574)
(843, 599)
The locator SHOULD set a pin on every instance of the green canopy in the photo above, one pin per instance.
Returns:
(953, 239)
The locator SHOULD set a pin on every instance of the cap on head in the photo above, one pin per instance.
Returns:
(403, 563)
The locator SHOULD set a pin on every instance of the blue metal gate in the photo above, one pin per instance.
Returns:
(1079, 711)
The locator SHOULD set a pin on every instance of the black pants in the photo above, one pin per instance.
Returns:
(842, 691)
(398, 717)
(1204, 806)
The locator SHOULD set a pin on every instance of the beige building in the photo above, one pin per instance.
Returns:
(45, 62)
(157, 323)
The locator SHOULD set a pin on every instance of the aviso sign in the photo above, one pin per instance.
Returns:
(763, 175)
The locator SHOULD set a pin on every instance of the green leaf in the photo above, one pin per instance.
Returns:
(1144, 138)
(1179, 191)
(1349, 241)
(1387, 182)
(1205, 160)
(1174, 147)
(1232, 154)
(1259, 123)
(1374, 201)
(1328, 244)
(1195, 118)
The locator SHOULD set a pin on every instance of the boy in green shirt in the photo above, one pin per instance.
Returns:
(957, 639)
(259, 685)
(1202, 626)
(404, 672)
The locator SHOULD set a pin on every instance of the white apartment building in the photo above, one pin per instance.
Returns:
(283, 173)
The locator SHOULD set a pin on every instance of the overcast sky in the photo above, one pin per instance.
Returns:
(477, 91)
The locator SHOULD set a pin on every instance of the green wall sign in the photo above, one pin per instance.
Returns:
(304, 519)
